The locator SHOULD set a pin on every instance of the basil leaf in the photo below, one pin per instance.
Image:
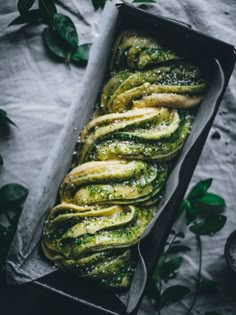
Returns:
(209, 226)
(24, 5)
(168, 269)
(210, 199)
(98, 3)
(12, 195)
(209, 204)
(200, 188)
(82, 53)
(178, 249)
(190, 214)
(30, 17)
(55, 44)
(66, 29)
(47, 9)
(182, 208)
(4, 119)
(156, 275)
(173, 294)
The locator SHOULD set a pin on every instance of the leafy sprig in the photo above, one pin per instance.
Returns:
(201, 212)
(167, 269)
(60, 36)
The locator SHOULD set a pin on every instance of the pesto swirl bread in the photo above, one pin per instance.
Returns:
(178, 85)
(111, 195)
(91, 233)
(113, 182)
(141, 134)
(136, 50)
(94, 242)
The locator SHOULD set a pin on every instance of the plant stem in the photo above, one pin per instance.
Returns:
(199, 243)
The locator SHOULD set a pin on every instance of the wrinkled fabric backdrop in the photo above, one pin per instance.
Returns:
(36, 92)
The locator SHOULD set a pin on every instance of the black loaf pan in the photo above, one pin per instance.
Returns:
(221, 58)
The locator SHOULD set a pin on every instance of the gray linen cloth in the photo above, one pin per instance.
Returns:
(37, 92)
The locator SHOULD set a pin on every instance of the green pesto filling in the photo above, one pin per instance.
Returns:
(126, 145)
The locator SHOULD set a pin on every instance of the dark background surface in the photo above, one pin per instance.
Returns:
(28, 299)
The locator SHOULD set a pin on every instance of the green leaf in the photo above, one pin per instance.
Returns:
(155, 274)
(98, 3)
(209, 204)
(168, 269)
(66, 29)
(178, 249)
(190, 214)
(82, 53)
(210, 199)
(24, 5)
(12, 195)
(173, 294)
(200, 188)
(55, 44)
(30, 17)
(47, 9)
(4, 119)
(209, 226)
(1, 160)
(190, 211)
(212, 313)
(181, 209)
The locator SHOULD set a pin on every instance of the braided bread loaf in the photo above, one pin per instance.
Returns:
(111, 195)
